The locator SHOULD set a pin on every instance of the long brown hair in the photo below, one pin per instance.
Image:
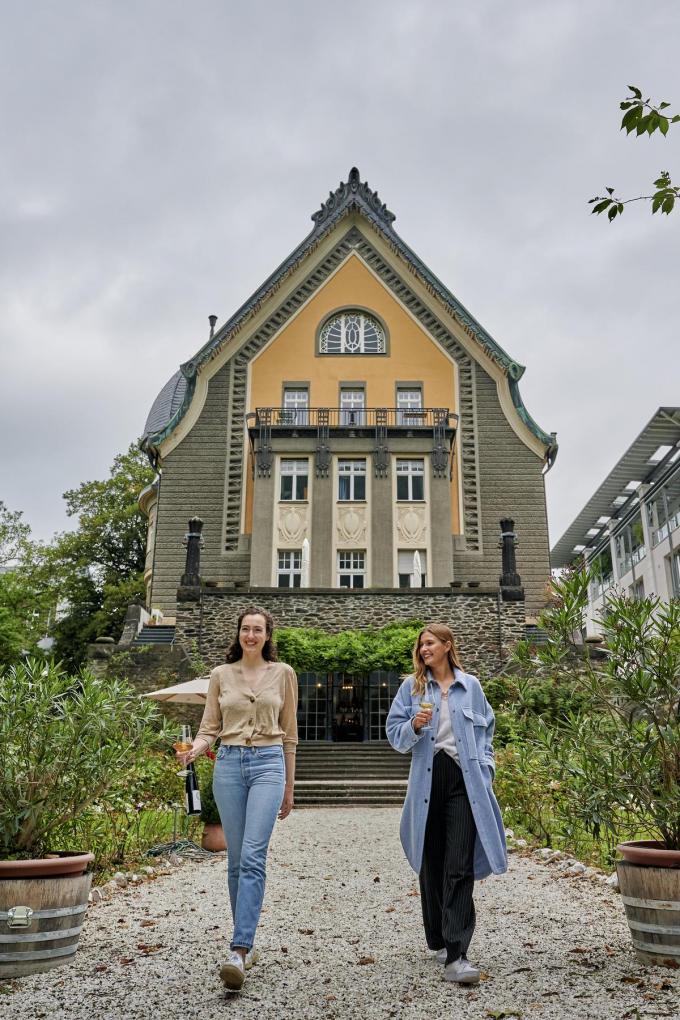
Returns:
(269, 652)
(442, 633)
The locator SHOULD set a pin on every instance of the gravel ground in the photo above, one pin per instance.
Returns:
(341, 936)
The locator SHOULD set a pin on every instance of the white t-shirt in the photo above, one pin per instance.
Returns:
(445, 740)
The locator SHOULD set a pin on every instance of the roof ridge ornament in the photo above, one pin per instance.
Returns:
(353, 191)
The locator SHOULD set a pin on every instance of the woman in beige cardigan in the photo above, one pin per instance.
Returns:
(251, 707)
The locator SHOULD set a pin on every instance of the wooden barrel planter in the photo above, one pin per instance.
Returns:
(651, 897)
(40, 919)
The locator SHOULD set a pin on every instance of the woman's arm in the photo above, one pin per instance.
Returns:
(288, 793)
(399, 726)
(489, 757)
(288, 723)
(211, 723)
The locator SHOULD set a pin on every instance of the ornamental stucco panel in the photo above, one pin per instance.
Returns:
(352, 526)
(411, 523)
(292, 525)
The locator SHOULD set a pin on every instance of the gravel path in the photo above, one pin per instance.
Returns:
(341, 936)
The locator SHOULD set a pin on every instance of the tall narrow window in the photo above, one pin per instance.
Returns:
(407, 567)
(411, 480)
(352, 405)
(294, 479)
(289, 573)
(409, 398)
(295, 405)
(351, 480)
(352, 568)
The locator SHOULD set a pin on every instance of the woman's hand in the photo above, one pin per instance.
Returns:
(197, 749)
(422, 718)
(286, 803)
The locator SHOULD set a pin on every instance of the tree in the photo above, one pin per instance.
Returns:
(644, 118)
(14, 534)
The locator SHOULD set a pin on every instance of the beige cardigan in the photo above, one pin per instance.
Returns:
(237, 715)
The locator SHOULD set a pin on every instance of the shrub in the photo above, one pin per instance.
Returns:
(69, 742)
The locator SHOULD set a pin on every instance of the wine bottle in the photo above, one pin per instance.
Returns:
(192, 794)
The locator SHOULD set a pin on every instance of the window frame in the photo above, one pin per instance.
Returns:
(296, 413)
(410, 474)
(367, 313)
(353, 570)
(292, 571)
(295, 475)
(403, 417)
(352, 475)
(353, 416)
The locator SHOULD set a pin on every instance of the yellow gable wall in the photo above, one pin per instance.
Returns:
(412, 357)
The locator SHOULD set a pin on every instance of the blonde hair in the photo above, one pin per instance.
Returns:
(443, 634)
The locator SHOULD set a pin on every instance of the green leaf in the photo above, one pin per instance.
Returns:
(611, 215)
(601, 206)
(662, 106)
(663, 125)
(668, 203)
(636, 91)
(631, 119)
(610, 190)
(675, 119)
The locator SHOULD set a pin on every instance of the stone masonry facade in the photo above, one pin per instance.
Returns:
(485, 623)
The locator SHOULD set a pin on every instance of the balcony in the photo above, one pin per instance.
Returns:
(376, 423)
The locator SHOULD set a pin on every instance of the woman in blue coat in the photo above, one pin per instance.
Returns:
(451, 826)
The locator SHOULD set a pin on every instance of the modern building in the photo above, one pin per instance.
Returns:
(351, 426)
(629, 530)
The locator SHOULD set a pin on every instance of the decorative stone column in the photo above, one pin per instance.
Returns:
(194, 543)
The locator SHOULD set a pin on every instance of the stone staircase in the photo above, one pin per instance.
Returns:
(161, 634)
(344, 775)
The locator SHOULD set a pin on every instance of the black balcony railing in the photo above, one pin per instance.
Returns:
(351, 417)
(379, 423)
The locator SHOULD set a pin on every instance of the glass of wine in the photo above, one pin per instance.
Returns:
(182, 744)
(426, 706)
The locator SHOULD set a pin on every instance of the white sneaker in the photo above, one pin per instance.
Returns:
(252, 956)
(232, 973)
(462, 972)
(440, 956)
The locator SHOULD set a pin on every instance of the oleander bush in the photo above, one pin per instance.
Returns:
(70, 743)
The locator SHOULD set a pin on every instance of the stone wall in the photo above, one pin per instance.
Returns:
(148, 668)
(485, 625)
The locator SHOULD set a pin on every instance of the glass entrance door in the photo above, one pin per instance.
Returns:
(348, 708)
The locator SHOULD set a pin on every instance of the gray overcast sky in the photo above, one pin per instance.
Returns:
(160, 158)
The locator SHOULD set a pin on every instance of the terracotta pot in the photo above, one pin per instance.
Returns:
(62, 863)
(649, 852)
(213, 838)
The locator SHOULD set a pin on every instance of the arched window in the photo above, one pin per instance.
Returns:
(352, 332)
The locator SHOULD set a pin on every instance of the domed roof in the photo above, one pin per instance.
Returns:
(166, 404)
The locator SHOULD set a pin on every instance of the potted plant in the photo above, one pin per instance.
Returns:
(622, 753)
(64, 740)
(213, 833)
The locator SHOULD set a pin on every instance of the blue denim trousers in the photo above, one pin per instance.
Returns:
(248, 783)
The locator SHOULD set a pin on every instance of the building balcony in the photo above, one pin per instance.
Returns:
(437, 425)
(291, 420)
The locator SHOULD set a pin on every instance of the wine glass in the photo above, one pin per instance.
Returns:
(426, 706)
(182, 744)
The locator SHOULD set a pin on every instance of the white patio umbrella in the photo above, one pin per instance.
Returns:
(417, 572)
(191, 692)
(304, 573)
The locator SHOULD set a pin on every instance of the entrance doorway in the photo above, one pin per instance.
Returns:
(344, 707)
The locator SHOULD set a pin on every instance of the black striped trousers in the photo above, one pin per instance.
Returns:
(447, 873)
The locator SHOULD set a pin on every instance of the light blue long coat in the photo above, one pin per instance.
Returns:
(472, 722)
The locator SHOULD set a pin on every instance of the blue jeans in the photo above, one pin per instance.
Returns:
(248, 784)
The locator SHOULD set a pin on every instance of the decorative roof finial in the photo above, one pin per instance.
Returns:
(354, 193)
(212, 319)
